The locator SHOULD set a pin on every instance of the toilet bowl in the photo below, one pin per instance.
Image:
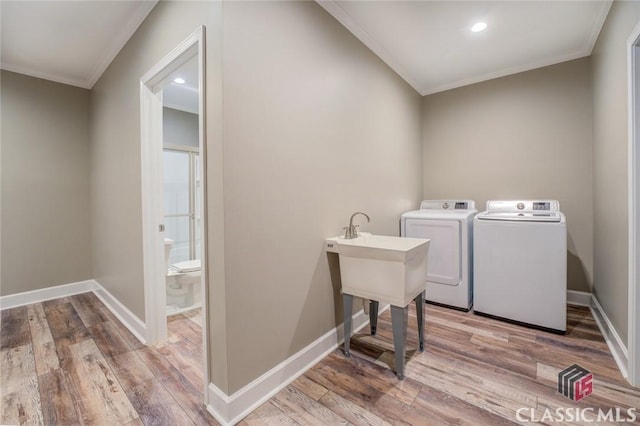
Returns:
(187, 272)
(187, 266)
(182, 282)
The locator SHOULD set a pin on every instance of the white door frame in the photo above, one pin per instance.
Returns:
(152, 209)
(633, 80)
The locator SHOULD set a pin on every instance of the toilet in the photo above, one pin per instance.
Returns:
(182, 282)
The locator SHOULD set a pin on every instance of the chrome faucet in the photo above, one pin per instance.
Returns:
(351, 232)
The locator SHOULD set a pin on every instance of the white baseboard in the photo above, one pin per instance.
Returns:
(614, 342)
(126, 317)
(44, 294)
(229, 410)
(135, 325)
(578, 298)
(612, 338)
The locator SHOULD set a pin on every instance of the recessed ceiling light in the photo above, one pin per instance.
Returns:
(179, 80)
(478, 26)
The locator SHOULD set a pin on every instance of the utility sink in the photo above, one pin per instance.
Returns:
(387, 269)
(382, 268)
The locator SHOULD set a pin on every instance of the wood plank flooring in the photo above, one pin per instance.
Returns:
(474, 371)
(69, 361)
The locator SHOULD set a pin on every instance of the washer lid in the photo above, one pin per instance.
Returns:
(523, 206)
(523, 210)
(521, 216)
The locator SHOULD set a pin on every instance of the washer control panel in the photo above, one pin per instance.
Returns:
(518, 206)
(542, 205)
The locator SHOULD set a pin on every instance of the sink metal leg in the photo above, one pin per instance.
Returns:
(373, 315)
(420, 314)
(399, 317)
(347, 301)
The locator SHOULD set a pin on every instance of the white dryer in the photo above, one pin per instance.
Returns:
(520, 263)
(449, 226)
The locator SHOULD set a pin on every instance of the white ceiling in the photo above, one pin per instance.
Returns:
(183, 96)
(428, 43)
(70, 42)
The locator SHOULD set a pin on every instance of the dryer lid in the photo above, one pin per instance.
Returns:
(461, 215)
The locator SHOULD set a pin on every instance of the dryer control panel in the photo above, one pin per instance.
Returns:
(448, 205)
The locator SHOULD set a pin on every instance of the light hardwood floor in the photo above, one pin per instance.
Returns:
(69, 361)
(474, 371)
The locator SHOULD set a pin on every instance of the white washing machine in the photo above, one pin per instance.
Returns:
(520, 263)
(449, 226)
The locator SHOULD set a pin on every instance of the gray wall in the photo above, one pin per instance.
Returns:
(116, 199)
(45, 184)
(179, 128)
(610, 145)
(316, 127)
(115, 150)
(518, 137)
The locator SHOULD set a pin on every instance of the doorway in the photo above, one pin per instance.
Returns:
(182, 191)
(173, 149)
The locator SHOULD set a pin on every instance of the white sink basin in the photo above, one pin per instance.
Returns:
(382, 268)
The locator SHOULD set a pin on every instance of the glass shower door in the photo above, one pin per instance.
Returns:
(178, 201)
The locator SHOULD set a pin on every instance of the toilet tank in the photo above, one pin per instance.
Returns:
(168, 243)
